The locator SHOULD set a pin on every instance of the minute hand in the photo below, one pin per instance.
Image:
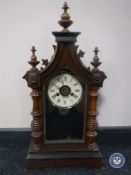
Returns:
(62, 81)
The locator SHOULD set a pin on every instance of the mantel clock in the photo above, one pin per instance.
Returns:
(64, 94)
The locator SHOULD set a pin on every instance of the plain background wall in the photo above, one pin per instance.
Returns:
(103, 23)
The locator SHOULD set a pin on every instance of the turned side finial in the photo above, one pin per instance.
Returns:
(96, 61)
(33, 61)
(65, 21)
(33, 49)
(33, 57)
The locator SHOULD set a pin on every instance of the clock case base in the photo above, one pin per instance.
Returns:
(66, 157)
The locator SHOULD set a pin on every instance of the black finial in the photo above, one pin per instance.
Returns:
(65, 7)
(33, 49)
(96, 61)
(96, 50)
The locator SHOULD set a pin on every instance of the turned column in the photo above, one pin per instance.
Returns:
(37, 132)
(91, 121)
(33, 79)
(97, 78)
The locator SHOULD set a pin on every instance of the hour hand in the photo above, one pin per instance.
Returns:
(54, 96)
(56, 86)
(73, 95)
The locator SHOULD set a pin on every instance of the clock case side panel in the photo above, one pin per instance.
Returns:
(66, 56)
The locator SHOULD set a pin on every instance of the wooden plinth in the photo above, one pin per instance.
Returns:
(46, 158)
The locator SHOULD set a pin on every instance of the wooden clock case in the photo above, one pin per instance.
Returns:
(45, 152)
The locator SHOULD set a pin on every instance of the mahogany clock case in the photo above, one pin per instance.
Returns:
(64, 137)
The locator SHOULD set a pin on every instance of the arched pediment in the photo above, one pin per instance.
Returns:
(66, 57)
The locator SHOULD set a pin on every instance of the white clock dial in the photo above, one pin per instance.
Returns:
(65, 91)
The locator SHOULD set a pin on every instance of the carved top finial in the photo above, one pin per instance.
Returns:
(33, 60)
(65, 21)
(96, 61)
(65, 15)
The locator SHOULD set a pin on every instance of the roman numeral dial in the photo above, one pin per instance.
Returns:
(65, 91)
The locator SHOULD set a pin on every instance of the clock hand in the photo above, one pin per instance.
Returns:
(62, 81)
(56, 86)
(74, 95)
(53, 96)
